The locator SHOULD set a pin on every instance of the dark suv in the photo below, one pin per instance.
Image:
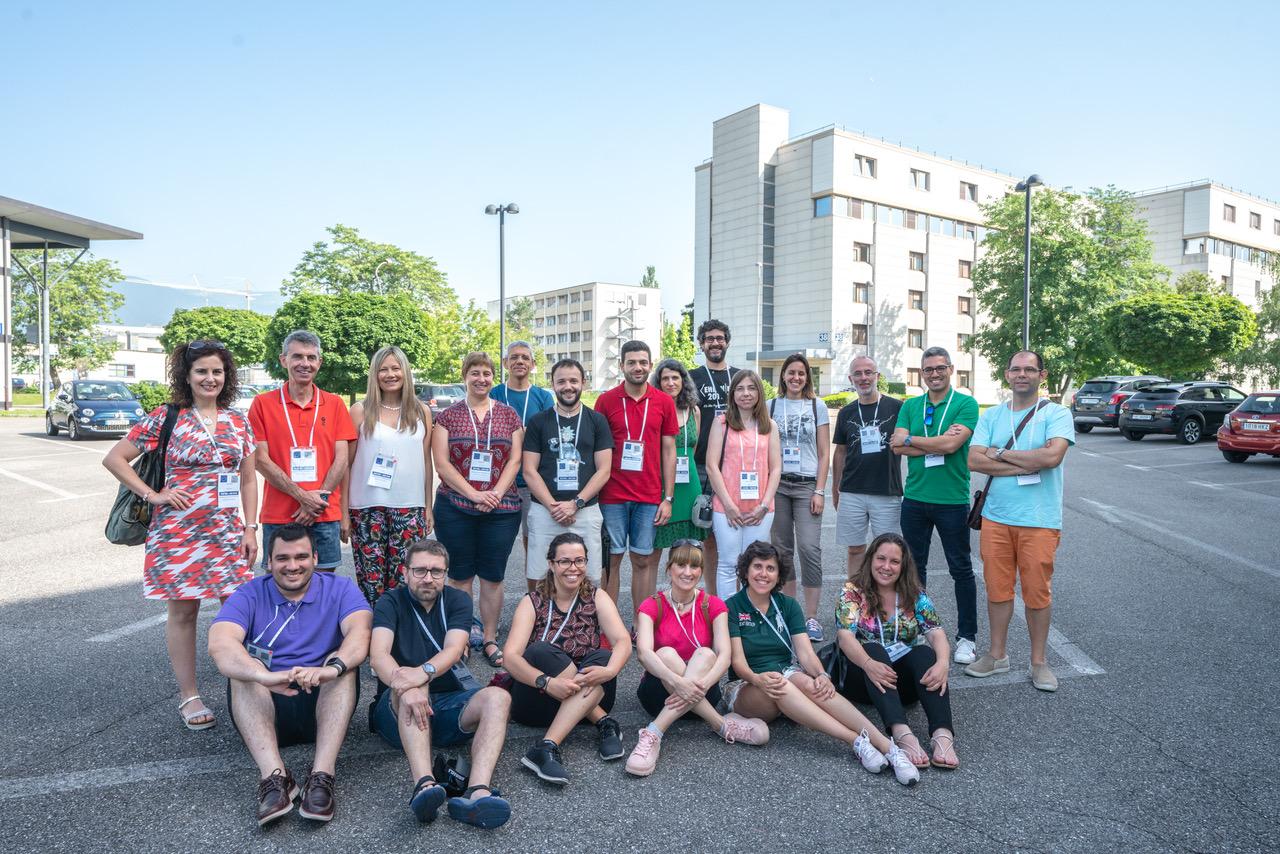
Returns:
(438, 396)
(1097, 403)
(1188, 410)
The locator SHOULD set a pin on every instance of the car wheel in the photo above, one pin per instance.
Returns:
(1132, 435)
(1235, 456)
(1083, 428)
(50, 429)
(73, 432)
(1190, 431)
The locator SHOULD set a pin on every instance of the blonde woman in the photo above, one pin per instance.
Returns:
(386, 495)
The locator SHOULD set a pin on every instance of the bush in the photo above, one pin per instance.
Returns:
(769, 391)
(839, 400)
(896, 388)
(882, 385)
(150, 395)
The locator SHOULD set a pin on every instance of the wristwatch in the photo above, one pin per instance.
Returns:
(337, 663)
(668, 498)
(252, 526)
(541, 682)
(430, 670)
(906, 441)
(1000, 453)
(579, 503)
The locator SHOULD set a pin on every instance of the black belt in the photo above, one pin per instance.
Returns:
(799, 478)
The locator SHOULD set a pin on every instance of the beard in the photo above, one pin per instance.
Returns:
(569, 399)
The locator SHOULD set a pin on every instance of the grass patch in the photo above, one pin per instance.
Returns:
(28, 398)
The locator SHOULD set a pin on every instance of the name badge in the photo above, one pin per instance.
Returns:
(303, 467)
(1029, 479)
(228, 491)
(261, 653)
(383, 471)
(791, 459)
(682, 469)
(871, 440)
(896, 650)
(748, 484)
(567, 475)
(632, 456)
(481, 466)
(931, 460)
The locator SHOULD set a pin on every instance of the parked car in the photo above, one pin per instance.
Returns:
(1251, 428)
(439, 397)
(88, 408)
(1188, 410)
(19, 384)
(1097, 403)
(244, 399)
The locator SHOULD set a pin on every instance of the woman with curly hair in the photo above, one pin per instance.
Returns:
(672, 377)
(198, 546)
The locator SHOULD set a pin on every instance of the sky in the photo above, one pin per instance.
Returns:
(232, 134)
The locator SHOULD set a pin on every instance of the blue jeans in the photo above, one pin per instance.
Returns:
(446, 718)
(630, 523)
(328, 544)
(918, 522)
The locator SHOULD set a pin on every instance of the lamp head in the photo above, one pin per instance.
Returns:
(491, 209)
(513, 208)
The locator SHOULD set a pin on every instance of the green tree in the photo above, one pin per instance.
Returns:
(1197, 282)
(650, 278)
(243, 331)
(85, 298)
(1180, 335)
(677, 341)
(352, 327)
(1087, 252)
(349, 263)
(520, 328)
(1261, 359)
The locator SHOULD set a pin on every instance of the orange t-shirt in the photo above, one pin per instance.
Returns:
(267, 417)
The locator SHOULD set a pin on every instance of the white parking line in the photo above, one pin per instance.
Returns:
(1139, 468)
(69, 447)
(72, 497)
(123, 631)
(33, 457)
(61, 493)
(1206, 485)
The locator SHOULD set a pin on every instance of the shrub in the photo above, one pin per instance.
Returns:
(838, 400)
(150, 395)
(895, 387)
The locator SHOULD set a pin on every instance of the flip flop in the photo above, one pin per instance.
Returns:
(188, 717)
(909, 750)
(495, 657)
(945, 766)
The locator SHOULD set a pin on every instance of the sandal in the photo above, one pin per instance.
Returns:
(188, 717)
(946, 766)
(495, 657)
(428, 797)
(916, 754)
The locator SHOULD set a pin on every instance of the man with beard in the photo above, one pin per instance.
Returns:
(711, 382)
(290, 644)
(568, 453)
(528, 400)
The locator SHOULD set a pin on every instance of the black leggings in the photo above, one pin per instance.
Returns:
(532, 707)
(892, 704)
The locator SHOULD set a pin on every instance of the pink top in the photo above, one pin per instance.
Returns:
(678, 631)
(745, 450)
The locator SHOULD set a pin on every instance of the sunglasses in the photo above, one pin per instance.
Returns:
(928, 415)
(687, 543)
(198, 348)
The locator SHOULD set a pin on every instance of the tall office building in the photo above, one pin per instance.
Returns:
(835, 244)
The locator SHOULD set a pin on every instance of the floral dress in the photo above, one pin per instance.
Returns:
(195, 553)
(681, 527)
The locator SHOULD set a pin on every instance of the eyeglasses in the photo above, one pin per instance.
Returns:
(570, 562)
(936, 369)
(686, 543)
(1026, 370)
(714, 339)
(421, 572)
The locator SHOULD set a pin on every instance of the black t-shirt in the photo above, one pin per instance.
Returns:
(712, 387)
(395, 610)
(548, 431)
(875, 474)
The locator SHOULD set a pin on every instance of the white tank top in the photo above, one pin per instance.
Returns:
(407, 487)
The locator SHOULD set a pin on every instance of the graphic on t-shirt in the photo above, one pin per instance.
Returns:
(563, 446)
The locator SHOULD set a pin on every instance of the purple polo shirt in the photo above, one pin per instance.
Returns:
(308, 631)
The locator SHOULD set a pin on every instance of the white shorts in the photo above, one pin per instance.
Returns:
(882, 512)
(543, 529)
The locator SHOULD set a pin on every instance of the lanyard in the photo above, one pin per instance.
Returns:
(551, 604)
(427, 631)
(475, 425)
(311, 440)
(627, 421)
(777, 615)
(577, 424)
(1013, 430)
(684, 434)
(719, 397)
(693, 638)
(275, 614)
(880, 625)
(210, 432)
(875, 416)
(755, 449)
(940, 419)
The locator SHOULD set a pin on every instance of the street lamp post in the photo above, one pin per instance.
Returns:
(1025, 187)
(502, 211)
(377, 283)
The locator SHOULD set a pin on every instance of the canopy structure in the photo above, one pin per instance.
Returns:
(27, 226)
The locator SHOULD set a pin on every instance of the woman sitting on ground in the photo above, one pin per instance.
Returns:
(554, 653)
(682, 639)
(776, 672)
(889, 629)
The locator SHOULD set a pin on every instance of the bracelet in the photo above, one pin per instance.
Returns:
(146, 499)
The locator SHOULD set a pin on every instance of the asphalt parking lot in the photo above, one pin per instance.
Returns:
(1160, 738)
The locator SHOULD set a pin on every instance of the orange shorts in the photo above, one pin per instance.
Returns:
(1009, 551)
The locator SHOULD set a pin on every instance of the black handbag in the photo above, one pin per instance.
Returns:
(703, 509)
(835, 664)
(130, 516)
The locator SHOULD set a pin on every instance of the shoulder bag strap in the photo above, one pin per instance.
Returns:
(1026, 419)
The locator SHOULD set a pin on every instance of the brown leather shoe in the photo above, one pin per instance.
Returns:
(275, 796)
(317, 797)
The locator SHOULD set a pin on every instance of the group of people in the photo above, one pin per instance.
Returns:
(637, 472)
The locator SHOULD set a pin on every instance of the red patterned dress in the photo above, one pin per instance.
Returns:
(195, 553)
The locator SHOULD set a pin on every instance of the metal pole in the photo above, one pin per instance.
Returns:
(1026, 278)
(6, 317)
(502, 292)
(44, 331)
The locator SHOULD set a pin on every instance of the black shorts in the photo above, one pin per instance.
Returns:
(295, 716)
(532, 707)
(653, 695)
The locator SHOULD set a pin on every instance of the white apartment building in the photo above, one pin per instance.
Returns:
(591, 322)
(1216, 230)
(138, 355)
(835, 244)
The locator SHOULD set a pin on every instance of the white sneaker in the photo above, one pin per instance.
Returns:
(903, 768)
(965, 652)
(873, 760)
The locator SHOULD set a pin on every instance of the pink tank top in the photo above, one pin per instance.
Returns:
(744, 450)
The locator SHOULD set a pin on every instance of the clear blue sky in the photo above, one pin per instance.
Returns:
(233, 133)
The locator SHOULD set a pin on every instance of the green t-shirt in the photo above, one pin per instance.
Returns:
(947, 483)
(765, 651)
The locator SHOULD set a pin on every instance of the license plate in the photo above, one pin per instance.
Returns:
(1090, 400)
(1140, 417)
(1262, 426)
(118, 422)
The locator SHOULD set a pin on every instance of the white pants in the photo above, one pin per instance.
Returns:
(731, 543)
(543, 529)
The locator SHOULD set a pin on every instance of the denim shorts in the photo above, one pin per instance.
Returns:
(630, 527)
(328, 544)
(446, 718)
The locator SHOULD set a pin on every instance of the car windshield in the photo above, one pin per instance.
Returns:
(103, 391)
(1261, 404)
(1098, 387)
(1160, 391)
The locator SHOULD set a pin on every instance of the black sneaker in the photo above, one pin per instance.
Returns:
(544, 760)
(610, 739)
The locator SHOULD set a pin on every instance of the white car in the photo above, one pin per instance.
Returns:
(242, 401)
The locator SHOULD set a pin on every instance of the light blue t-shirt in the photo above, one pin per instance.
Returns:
(526, 404)
(1037, 505)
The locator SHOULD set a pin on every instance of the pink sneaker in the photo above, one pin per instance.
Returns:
(644, 758)
(746, 730)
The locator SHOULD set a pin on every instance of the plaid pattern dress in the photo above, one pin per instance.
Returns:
(195, 553)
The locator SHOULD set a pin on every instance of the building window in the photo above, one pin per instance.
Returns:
(965, 305)
(915, 338)
(964, 379)
(963, 341)
(919, 179)
(864, 166)
(1229, 213)
(576, 296)
(913, 377)
(862, 252)
(857, 211)
(1226, 282)
(858, 333)
(966, 269)
(822, 206)
(537, 323)
(915, 299)
(1255, 220)
(563, 339)
(586, 315)
(968, 192)
(551, 321)
(563, 299)
(564, 319)
(575, 336)
(121, 371)
(1275, 226)
(644, 299)
(917, 261)
(1257, 291)
(537, 303)
(574, 317)
(861, 293)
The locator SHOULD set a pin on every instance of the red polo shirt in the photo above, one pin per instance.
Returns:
(328, 413)
(631, 425)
